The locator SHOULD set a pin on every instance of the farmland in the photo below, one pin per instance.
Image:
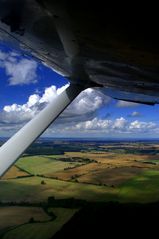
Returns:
(76, 174)
(46, 227)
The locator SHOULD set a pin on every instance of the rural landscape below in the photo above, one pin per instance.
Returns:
(59, 185)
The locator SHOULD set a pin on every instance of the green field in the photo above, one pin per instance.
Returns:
(43, 164)
(143, 188)
(31, 190)
(43, 229)
(97, 181)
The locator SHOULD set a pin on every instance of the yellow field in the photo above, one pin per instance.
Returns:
(110, 176)
(14, 172)
(113, 158)
(109, 169)
(12, 216)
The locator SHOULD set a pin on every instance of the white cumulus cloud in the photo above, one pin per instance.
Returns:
(135, 114)
(94, 124)
(80, 116)
(83, 107)
(114, 127)
(119, 123)
(142, 125)
(20, 71)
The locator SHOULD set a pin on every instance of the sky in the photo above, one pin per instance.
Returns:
(27, 86)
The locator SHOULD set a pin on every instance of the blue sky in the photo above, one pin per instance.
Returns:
(26, 86)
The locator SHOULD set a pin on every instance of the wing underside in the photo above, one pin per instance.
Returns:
(115, 49)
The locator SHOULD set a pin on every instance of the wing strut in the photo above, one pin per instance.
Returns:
(16, 145)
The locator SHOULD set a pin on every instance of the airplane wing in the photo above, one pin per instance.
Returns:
(91, 44)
